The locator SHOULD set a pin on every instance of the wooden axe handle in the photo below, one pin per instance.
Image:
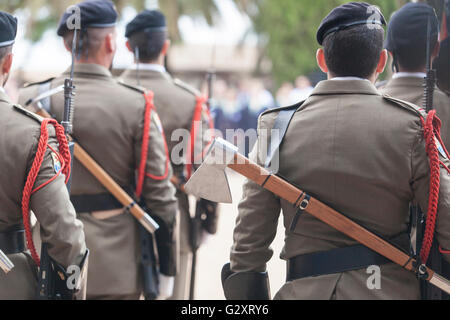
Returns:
(105, 179)
(290, 193)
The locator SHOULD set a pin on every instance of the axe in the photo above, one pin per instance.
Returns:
(210, 182)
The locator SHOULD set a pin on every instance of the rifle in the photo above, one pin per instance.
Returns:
(436, 262)
(198, 223)
(52, 277)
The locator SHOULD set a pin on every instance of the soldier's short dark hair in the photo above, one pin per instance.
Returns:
(354, 52)
(149, 43)
(91, 40)
(414, 59)
(4, 51)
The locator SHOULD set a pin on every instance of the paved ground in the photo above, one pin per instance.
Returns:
(215, 252)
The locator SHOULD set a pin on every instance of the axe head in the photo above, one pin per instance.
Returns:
(210, 180)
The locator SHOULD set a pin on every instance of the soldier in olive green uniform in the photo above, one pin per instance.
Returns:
(407, 42)
(20, 135)
(359, 152)
(109, 125)
(180, 107)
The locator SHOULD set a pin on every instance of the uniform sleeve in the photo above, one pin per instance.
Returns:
(256, 226)
(52, 207)
(158, 192)
(420, 184)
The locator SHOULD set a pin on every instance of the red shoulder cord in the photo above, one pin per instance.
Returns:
(149, 107)
(432, 128)
(196, 121)
(65, 159)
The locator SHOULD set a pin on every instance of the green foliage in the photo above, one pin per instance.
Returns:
(290, 27)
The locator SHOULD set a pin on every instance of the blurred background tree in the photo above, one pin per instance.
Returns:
(286, 29)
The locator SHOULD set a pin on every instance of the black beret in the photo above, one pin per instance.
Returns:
(94, 14)
(8, 29)
(408, 28)
(151, 20)
(349, 15)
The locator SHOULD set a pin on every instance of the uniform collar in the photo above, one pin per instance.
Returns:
(4, 96)
(90, 69)
(406, 81)
(149, 67)
(419, 75)
(347, 78)
(146, 74)
(345, 87)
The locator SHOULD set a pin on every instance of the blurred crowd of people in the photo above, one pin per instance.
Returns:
(239, 106)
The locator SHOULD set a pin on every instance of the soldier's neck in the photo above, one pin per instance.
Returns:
(158, 61)
(104, 62)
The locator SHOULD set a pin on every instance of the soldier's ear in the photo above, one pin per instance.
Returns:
(165, 47)
(382, 62)
(110, 42)
(128, 45)
(7, 63)
(320, 57)
(67, 46)
(436, 50)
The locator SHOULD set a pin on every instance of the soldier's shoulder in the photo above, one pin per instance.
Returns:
(268, 117)
(28, 114)
(405, 105)
(186, 87)
(133, 88)
(441, 95)
(32, 84)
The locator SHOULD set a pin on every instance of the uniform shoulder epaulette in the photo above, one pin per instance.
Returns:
(130, 86)
(186, 87)
(29, 84)
(28, 113)
(406, 105)
(294, 106)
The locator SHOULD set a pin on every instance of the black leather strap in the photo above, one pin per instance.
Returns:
(97, 202)
(281, 124)
(13, 240)
(332, 261)
(339, 260)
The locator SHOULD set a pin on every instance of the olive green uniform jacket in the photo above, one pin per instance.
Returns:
(108, 124)
(411, 89)
(362, 155)
(176, 103)
(19, 137)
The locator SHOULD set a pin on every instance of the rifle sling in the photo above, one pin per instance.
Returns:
(281, 125)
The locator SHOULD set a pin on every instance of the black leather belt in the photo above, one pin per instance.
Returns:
(335, 261)
(13, 240)
(97, 202)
